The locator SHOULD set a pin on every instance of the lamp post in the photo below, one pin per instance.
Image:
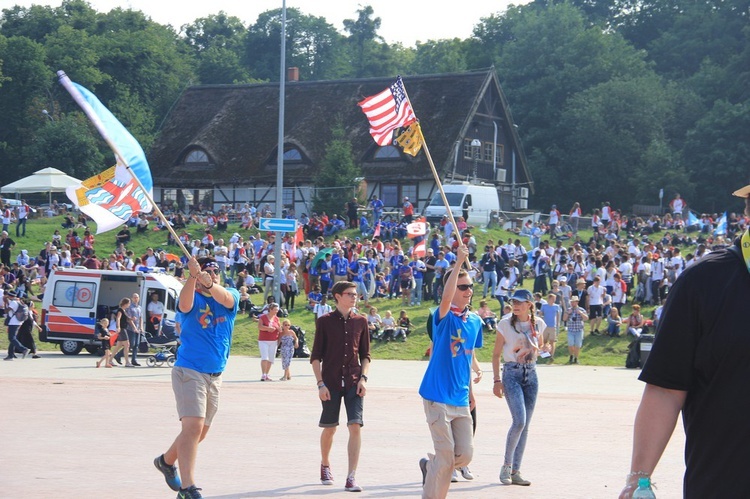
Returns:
(46, 113)
(475, 147)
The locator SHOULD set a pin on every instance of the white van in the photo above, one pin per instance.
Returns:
(75, 299)
(480, 201)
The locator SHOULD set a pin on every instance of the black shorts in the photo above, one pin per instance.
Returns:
(332, 408)
(595, 311)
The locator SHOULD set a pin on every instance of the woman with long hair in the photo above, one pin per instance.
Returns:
(517, 342)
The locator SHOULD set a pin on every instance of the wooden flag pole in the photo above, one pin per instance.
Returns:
(65, 82)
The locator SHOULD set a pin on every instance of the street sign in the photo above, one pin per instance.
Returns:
(278, 224)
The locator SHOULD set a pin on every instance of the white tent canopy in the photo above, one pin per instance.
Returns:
(45, 180)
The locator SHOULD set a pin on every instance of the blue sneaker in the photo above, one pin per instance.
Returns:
(170, 473)
(191, 492)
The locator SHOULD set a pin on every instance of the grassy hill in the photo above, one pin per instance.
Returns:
(596, 350)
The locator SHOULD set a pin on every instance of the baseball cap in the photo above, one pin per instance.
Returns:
(522, 295)
(562, 278)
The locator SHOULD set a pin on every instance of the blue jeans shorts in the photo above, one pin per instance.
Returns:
(332, 408)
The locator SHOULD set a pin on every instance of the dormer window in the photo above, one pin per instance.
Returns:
(292, 155)
(196, 157)
(387, 152)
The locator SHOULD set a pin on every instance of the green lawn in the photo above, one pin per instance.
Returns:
(596, 350)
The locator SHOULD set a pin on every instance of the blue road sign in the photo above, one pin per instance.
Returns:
(278, 224)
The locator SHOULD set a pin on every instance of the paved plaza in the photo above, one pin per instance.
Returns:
(73, 431)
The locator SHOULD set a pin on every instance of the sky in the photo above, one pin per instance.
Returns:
(405, 22)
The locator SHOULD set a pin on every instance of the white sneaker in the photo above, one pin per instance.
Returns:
(505, 475)
(466, 473)
(454, 477)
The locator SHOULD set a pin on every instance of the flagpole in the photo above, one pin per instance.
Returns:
(437, 178)
(65, 82)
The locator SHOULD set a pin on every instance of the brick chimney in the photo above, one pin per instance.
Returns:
(292, 74)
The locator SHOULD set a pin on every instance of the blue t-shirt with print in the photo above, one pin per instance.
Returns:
(206, 333)
(448, 374)
(550, 314)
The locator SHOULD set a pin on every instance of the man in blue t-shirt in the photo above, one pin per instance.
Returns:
(446, 387)
(206, 313)
(551, 313)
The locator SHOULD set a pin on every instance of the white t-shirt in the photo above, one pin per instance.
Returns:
(596, 294)
(320, 310)
(220, 254)
(519, 340)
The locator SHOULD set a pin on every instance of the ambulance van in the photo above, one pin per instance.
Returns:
(76, 298)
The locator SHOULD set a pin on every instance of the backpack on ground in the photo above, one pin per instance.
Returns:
(633, 360)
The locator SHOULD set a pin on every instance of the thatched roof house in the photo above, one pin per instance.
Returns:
(218, 144)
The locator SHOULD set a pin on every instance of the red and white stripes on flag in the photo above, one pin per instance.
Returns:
(420, 249)
(387, 111)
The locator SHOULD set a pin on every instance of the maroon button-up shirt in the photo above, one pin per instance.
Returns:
(341, 345)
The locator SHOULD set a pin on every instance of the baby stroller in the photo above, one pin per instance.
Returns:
(164, 345)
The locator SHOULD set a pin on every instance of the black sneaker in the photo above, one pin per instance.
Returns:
(170, 474)
(119, 360)
(191, 492)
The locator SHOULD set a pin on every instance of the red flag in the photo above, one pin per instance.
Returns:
(376, 233)
(420, 249)
(387, 111)
(416, 229)
(299, 236)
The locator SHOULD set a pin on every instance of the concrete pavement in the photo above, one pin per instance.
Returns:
(74, 431)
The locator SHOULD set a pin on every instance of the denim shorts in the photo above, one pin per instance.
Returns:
(575, 339)
(332, 408)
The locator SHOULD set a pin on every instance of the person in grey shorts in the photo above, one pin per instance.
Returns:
(206, 314)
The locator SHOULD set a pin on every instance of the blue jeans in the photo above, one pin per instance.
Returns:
(13, 344)
(490, 280)
(416, 294)
(21, 221)
(521, 388)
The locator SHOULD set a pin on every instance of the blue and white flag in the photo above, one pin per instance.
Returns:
(721, 226)
(113, 196)
(693, 220)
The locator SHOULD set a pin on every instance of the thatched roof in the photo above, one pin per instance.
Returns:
(237, 126)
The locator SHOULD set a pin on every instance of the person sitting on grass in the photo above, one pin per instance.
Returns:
(614, 322)
(374, 323)
(389, 326)
(403, 327)
(313, 298)
(487, 315)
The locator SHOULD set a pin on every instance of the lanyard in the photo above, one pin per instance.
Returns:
(745, 244)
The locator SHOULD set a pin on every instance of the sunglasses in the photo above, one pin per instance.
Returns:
(464, 287)
(352, 295)
(210, 270)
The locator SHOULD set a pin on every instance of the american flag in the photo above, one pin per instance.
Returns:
(387, 111)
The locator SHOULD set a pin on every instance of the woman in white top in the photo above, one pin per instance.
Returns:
(517, 343)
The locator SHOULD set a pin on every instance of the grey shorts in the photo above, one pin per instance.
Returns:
(196, 394)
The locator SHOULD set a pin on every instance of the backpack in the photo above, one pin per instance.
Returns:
(22, 312)
(633, 360)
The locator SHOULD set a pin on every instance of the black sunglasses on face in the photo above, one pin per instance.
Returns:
(464, 287)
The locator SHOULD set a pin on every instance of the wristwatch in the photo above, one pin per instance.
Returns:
(363, 376)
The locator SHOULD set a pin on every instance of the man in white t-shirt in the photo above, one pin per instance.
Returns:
(221, 255)
(14, 345)
(7, 217)
(23, 215)
(155, 312)
(677, 205)
(594, 303)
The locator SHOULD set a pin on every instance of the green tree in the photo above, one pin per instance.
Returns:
(26, 84)
(219, 30)
(312, 45)
(338, 174)
(716, 153)
(69, 144)
(440, 56)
